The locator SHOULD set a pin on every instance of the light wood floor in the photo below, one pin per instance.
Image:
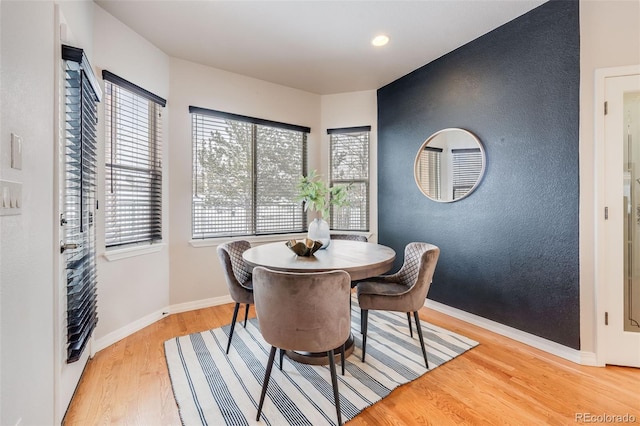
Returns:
(498, 382)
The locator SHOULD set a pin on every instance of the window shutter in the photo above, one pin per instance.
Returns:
(133, 155)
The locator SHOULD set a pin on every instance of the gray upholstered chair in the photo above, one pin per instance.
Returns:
(350, 237)
(303, 312)
(238, 278)
(404, 291)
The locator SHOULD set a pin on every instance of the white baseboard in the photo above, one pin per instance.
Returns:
(589, 358)
(573, 355)
(570, 354)
(119, 334)
(199, 304)
(129, 329)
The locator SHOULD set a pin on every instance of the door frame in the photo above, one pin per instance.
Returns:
(600, 301)
(58, 411)
(63, 391)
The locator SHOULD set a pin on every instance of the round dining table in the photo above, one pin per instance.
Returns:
(359, 259)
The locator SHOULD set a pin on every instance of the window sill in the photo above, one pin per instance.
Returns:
(212, 242)
(124, 253)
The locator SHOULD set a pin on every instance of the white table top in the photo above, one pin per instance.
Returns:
(361, 260)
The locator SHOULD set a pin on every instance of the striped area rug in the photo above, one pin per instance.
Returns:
(212, 388)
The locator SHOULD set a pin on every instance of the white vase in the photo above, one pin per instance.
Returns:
(319, 231)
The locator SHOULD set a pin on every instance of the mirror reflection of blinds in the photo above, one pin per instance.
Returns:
(133, 178)
(467, 166)
(245, 174)
(81, 95)
(430, 171)
(349, 157)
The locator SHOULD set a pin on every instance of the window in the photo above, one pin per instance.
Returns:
(245, 172)
(133, 178)
(429, 171)
(467, 167)
(349, 157)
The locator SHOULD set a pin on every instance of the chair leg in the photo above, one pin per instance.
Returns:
(424, 351)
(342, 357)
(246, 314)
(281, 358)
(410, 328)
(334, 382)
(233, 324)
(265, 383)
(364, 318)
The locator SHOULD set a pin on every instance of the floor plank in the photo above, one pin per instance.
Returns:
(499, 382)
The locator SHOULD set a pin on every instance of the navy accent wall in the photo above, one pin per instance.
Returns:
(509, 251)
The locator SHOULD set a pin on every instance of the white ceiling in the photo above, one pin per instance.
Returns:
(321, 47)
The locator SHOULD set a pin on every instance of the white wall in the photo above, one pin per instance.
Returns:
(352, 110)
(2, 166)
(133, 288)
(128, 289)
(609, 37)
(195, 272)
(27, 248)
(137, 287)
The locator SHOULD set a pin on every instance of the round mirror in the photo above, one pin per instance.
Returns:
(449, 165)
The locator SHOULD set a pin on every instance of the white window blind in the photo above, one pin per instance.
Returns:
(349, 157)
(133, 177)
(430, 170)
(467, 166)
(245, 172)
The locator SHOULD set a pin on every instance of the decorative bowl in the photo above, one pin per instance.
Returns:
(305, 247)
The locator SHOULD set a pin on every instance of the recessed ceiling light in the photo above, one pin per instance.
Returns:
(380, 40)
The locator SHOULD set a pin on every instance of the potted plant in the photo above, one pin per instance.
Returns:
(317, 196)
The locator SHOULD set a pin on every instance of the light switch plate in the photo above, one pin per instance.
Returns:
(10, 198)
(16, 151)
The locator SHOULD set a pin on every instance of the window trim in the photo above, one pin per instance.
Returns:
(366, 182)
(204, 240)
(155, 157)
(343, 130)
(119, 81)
(119, 253)
(248, 119)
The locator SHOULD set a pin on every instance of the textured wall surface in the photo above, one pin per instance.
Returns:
(510, 249)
